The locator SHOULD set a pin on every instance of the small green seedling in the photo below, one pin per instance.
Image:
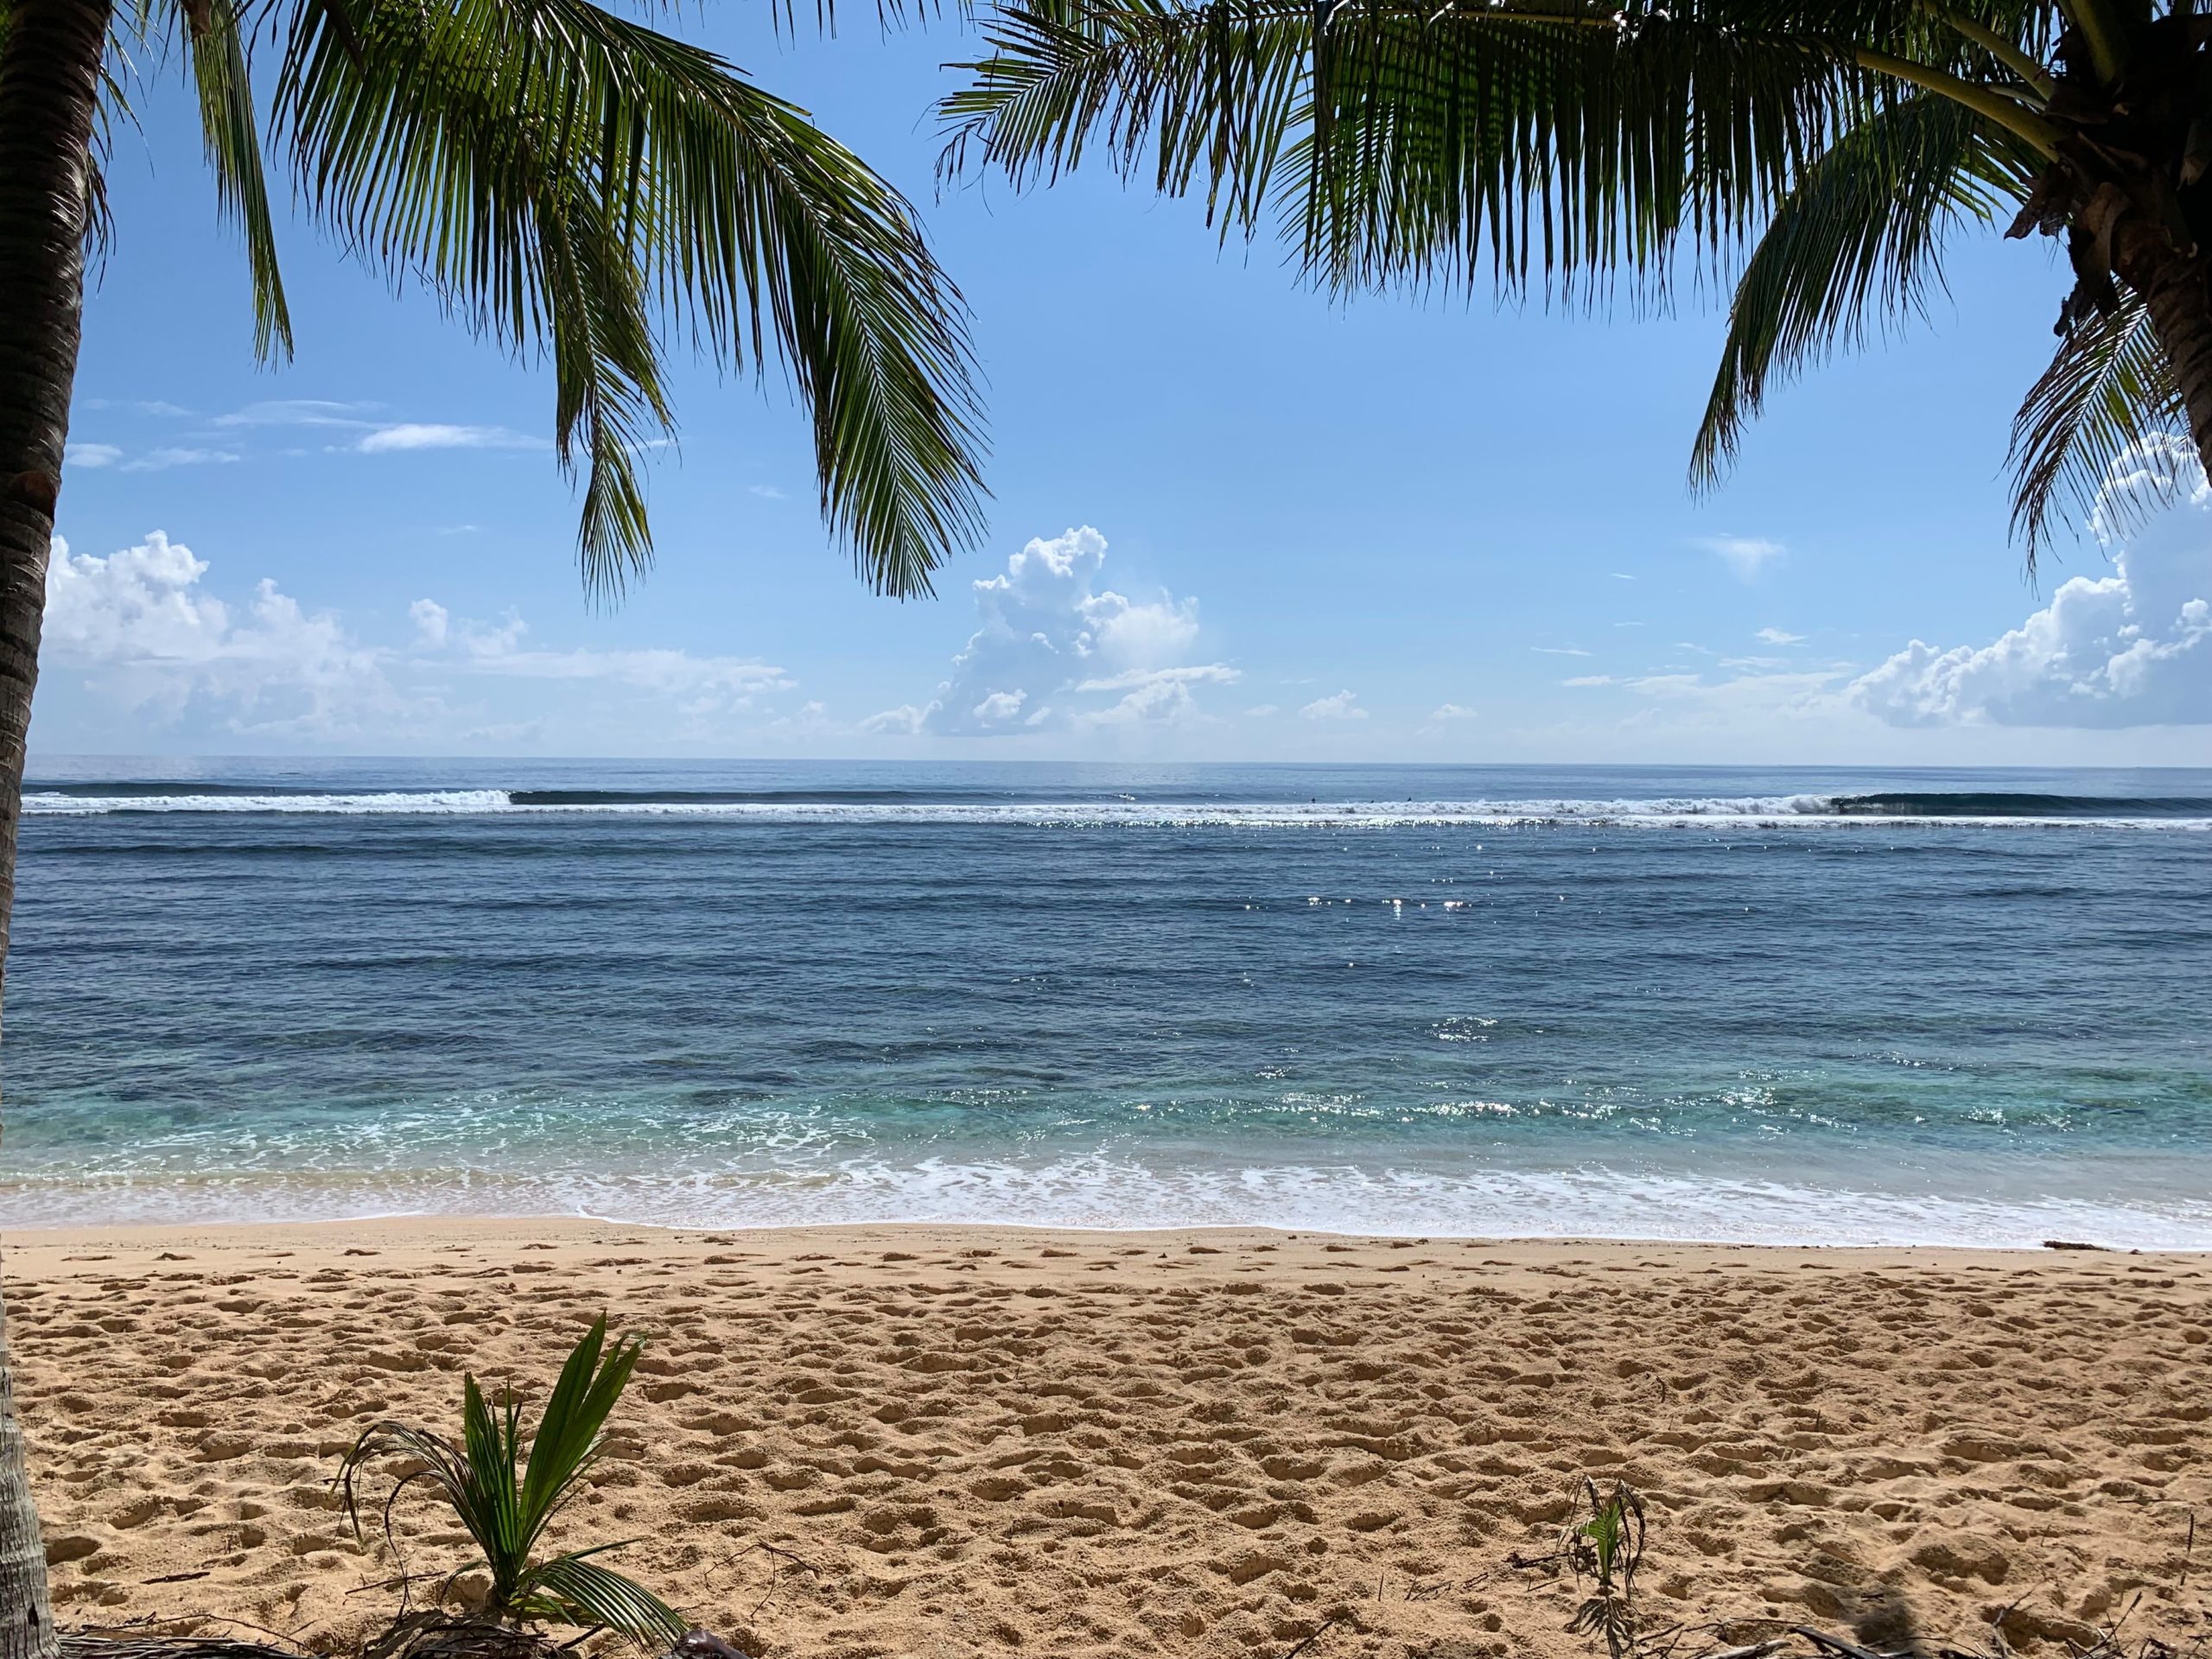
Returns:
(506, 1501)
(1605, 1544)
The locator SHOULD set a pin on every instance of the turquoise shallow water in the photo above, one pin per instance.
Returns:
(1744, 1005)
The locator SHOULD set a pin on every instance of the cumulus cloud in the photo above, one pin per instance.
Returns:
(2131, 649)
(163, 641)
(1746, 555)
(432, 621)
(1340, 706)
(1051, 640)
(907, 720)
(159, 641)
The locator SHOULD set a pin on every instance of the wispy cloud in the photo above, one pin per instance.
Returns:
(1746, 555)
(91, 456)
(300, 411)
(1196, 674)
(159, 460)
(1781, 637)
(408, 436)
(767, 492)
(1559, 650)
(1451, 711)
(1339, 705)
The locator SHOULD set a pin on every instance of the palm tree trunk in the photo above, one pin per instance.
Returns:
(49, 90)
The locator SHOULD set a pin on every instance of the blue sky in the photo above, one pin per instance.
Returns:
(1265, 526)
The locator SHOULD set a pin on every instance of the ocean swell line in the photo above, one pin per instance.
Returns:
(2027, 812)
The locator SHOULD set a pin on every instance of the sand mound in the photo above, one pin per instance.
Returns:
(940, 1441)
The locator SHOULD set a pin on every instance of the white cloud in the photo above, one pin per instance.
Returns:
(140, 405)
(408, 435)
(431, 621)
(1196, 674)
(1338, 706)
(1559, 650)
(90, 455)
(767, 492)
(1261, 710)
(298, 412)
(905, 721)
(1591, 679)
(1747, 556)
(1050, 635)
(157, 640)
(1781, 637)
(1623, 575)
(2131, 649)
(700, 687)
(158, 460)
(162, 642)
(1451, 711)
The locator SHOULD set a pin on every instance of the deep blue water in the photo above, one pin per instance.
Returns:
(1732, 1004)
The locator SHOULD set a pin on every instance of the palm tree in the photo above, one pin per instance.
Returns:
(1820, 153)
(571, 185)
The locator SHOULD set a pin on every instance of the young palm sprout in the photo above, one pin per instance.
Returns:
(506, 1500)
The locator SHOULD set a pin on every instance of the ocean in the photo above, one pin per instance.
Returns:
(1965, 1008)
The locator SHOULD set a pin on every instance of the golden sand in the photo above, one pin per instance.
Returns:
(926, 1440)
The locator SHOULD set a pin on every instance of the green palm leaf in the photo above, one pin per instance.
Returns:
(577, 187)
(583, 1592)
(569, 1438)
(506, 1500)
(1564, 146)
(228, 122)
(1854, 247)
(1549, 141)
(2109, 387)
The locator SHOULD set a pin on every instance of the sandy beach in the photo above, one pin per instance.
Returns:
(926, 1440)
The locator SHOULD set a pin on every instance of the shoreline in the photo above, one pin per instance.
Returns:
(495, 1228)
(1191, 1442)
(493, 1225)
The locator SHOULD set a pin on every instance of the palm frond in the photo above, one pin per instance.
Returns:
(2110, 388)
(1551, 141)
(1854, 249)
(229, 127)
(583, 1591)
(569, 1435)
(504, 1501)
(572, 182)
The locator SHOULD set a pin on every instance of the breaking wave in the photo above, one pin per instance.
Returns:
(988, 807)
